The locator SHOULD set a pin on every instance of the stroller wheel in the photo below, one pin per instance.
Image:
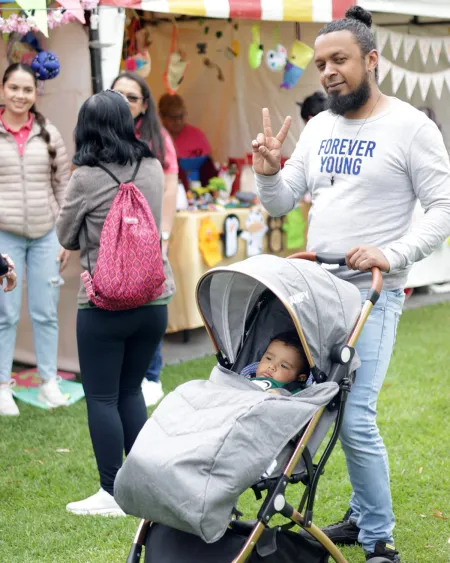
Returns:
(379, 560)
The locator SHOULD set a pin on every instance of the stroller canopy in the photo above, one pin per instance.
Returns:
(323, 308)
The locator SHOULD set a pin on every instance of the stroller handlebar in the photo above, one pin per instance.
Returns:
(339, 259)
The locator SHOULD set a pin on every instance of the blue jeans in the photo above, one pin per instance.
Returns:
(43, 281)
(155, 367)
(367, 460)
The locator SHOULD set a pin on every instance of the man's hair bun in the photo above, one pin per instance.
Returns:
(360, 14)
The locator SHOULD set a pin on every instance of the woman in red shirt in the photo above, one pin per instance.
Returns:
(149, 129)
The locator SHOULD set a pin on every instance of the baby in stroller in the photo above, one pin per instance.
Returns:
(283, 368)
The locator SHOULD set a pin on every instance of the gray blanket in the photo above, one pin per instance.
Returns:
(206, 443)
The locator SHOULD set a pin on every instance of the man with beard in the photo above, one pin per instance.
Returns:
(365, 162)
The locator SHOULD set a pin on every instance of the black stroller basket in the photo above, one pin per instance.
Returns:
(255, 541)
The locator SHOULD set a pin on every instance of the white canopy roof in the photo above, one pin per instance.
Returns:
(424, 8)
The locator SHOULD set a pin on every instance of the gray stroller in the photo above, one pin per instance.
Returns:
(210, 440)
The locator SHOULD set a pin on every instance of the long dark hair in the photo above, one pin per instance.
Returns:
(359, 22)
(148, 124)
(105, 132)
(40, 119)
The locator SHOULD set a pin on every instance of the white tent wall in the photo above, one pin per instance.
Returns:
(229, 112)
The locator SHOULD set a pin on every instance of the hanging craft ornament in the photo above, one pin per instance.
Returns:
(177, 65)
(210, 64)
(299, 58)
(22, 49)
(46, 65)
(139, 60)
(275, 235)
(233, 50)
(276, 58)
(256, 50)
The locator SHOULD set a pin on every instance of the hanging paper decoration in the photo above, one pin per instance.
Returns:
(425, 44)
(298, 59)
(208, 242)
(255, 231)
(294, 227)
(55, 18)
(413, 79)
(256, 50)
(75, 7)
(36, 13)
(177, 65)
(46, 65)
(231, 231)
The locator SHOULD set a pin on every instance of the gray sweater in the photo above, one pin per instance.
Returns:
(365, 179)
(89, 196)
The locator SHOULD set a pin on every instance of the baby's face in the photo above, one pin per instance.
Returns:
(280, 362)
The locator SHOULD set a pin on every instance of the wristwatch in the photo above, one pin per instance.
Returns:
(165, 235)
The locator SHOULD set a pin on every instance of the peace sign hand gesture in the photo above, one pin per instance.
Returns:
(267, 149)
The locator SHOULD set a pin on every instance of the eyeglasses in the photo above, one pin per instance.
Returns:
(132, 98)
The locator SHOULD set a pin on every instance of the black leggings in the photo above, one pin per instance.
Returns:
(115, 349)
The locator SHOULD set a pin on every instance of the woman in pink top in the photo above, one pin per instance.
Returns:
(189, 140)
(149, 128)
(33, 178)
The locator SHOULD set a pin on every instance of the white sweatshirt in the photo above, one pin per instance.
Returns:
(365, 179)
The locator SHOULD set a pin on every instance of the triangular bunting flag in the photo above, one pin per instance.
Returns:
(75, 8)
(424, 48)
(436, 48)
(384, 66)
(381, 37)
(447, 79)
(36, 9)
(409, 42)
(424, 84)
(438, 82)
(447, 48)
(410, 83)
(397, 75)
(396, 42)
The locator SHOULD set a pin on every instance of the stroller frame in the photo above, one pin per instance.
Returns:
(275, 500)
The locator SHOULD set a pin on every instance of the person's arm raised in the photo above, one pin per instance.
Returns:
(279, 192)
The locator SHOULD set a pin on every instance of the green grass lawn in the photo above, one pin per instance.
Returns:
(36, 481)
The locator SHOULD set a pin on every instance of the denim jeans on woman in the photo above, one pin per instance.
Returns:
(43, 282)
(367, 460)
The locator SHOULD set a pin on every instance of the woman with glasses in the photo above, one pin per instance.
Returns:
(148, 128)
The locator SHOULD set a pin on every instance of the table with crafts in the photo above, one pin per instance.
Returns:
(188, 262)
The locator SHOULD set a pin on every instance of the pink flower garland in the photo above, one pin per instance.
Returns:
(55, 18)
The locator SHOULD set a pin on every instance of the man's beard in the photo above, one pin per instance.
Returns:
(341, 104)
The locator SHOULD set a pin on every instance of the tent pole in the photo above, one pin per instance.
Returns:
(95, 52)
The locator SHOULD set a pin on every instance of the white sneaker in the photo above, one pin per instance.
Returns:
(152, 391)
(8, 406)
(50, 394)
(101, 504)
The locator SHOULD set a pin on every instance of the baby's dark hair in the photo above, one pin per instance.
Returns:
(358, 21)
(291, 338)
(40, 119)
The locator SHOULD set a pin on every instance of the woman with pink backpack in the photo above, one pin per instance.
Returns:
(112, 214)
